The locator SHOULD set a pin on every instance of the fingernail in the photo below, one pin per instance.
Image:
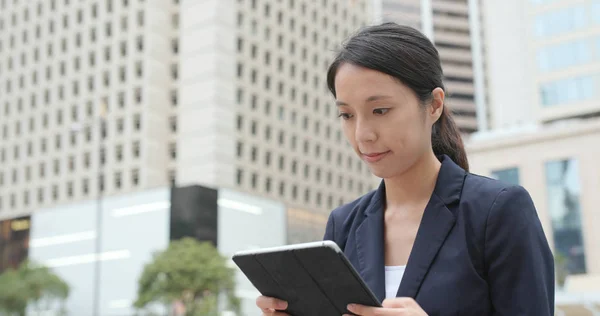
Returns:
(282, 305)
(350, 307)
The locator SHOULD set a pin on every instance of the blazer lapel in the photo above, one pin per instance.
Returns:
(435, 225)
(369, 245)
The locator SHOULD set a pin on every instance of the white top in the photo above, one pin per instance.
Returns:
(393, 277)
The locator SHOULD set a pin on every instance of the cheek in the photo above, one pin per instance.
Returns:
(348, 132)
(406, 135)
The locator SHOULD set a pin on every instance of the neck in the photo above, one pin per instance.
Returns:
(414, 185)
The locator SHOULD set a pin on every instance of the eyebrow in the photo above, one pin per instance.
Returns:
(369, 99)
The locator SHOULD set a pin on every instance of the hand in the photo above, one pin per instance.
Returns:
(400, 306)
(270, 306)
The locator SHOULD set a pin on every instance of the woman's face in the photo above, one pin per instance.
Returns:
(383, 119)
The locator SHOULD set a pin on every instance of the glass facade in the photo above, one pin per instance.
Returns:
(563, 192)
(564, 55)
(570, 90)
(133, 227)
(554, 23)
(510, 175)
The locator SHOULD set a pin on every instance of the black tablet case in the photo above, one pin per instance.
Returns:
(314, 281)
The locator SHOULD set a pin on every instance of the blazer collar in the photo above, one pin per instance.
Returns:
(435, 225)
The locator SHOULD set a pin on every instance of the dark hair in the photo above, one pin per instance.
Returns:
(406, 54)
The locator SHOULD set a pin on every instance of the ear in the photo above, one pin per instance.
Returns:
(437, 104)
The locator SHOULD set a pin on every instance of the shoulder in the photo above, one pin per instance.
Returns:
(487, 191)
(500, 201)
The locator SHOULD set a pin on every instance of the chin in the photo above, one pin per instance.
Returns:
(382, 173)
(387, 171)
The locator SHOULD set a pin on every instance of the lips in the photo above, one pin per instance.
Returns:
(374, 157)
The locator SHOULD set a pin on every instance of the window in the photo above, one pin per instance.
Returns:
(564, 55)
(87, 160)
(254, 180)
(138, 69)
(138, 96)
(135, 177)
(254, 153)
(101, 183)
(175, 71)
(119, 152)
(70, 189)
(140, 43)
(173, 124)
(56, 167)
(136, 149)
(282, 188)
(509, 176)
(571, 90)
(239, 149)
(239, 176)
(102, 156)
(172, 176)
(240, 122)
(137, 124)
(120, 125)
(173, 150)
(140, 18)
(561, 21)
(117, 179)
(563, 193)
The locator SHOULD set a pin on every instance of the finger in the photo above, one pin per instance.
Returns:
(362, 310)
(274, 314)
(264, 302)
(398, 302)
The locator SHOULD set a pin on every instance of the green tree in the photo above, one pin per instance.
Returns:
(190, 272)
(31, 285)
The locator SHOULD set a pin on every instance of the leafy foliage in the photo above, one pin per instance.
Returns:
(190, 272)
(30, 285)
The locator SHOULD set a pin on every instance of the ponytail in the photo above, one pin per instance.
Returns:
(446, 140)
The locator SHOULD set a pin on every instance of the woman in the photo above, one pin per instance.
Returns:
(433, 239)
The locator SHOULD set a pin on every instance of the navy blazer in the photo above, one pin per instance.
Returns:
(479, 250)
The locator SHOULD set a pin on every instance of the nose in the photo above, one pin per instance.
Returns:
(365, 131)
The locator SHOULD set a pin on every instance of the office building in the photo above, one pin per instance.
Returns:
(542, 73)
(448, 24)
(117, 96)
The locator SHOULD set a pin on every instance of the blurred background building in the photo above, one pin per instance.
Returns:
(447, 24)
(227, 94)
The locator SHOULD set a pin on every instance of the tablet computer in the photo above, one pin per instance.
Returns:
(314, 278)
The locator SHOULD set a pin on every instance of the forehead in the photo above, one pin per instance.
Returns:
(352, 81)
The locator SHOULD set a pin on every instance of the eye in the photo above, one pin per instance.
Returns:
(345, 116)
(380, 111)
